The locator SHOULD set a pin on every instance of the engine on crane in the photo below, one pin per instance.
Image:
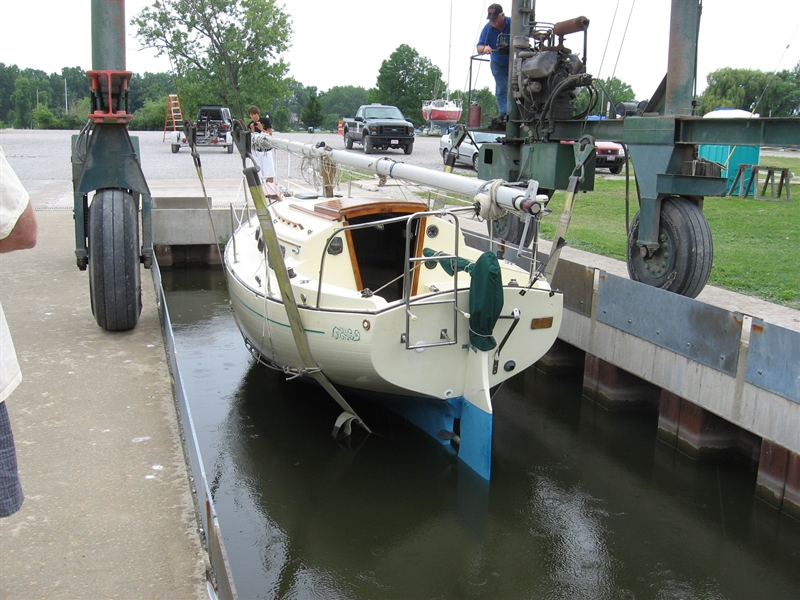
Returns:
(546, 76)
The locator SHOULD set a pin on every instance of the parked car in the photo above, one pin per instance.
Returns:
(469, 150)
(610, 155)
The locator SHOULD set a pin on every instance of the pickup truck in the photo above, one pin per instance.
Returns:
(379, 127)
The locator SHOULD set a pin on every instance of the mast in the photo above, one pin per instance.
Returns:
(449, 52)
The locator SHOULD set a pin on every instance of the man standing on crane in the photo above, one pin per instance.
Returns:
(498, 25)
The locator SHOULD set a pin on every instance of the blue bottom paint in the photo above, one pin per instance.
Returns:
(433, 416)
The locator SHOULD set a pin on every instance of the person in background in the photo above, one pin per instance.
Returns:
(259, 124)
(17, 232)
(498, 25)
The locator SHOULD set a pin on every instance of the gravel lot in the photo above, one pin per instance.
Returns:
(45, 155)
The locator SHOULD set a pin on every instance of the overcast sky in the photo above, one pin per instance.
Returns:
(343, 42)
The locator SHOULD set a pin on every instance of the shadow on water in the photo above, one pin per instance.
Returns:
(583, 503)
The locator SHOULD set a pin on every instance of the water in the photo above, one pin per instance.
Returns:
(583, 503)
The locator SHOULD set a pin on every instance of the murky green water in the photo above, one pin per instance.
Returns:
(583, 503)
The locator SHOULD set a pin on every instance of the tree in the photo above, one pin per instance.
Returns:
(343, 101)
(8, 77)
(312, 115)
(151, 115)
(150, 86)
(77, 86)
(484, 98)
(340, 102)
(43, 118)
(406, 79)
(23, 103)
(610, 92)
(230, 46)
(775, 95)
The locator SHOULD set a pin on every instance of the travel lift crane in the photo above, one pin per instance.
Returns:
(669, 244)
(105, 160)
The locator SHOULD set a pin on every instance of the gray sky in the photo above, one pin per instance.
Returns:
(343, 42)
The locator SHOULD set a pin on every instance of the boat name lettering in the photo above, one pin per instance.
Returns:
(350, 335)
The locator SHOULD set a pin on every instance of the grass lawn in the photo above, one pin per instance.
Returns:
(756, 242)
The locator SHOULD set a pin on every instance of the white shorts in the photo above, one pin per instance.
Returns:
(266, 166)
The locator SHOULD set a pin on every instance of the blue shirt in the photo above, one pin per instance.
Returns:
(489, 37)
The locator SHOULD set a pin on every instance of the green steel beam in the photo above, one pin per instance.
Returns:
(108, 35)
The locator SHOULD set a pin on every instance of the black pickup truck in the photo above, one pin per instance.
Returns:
(379, 127)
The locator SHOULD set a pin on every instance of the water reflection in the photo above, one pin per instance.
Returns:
(583, 503)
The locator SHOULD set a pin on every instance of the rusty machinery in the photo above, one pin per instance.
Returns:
(669, 242)
(108, 183)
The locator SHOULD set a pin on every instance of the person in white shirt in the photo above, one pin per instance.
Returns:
(17, 232)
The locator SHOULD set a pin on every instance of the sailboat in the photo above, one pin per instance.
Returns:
(385, 296)
(443, 111)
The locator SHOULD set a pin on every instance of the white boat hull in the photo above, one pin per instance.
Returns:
(410, 337)
(376, 359)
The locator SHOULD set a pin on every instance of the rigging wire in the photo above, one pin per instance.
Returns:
(769, 81)
(624, 34)
(608, 40)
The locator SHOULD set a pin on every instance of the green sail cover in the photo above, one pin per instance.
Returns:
(449, 265)
(485, 301)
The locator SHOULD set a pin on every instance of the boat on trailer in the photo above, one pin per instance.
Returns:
(385, 296)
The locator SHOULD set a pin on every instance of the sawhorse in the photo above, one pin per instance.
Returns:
(752, 181)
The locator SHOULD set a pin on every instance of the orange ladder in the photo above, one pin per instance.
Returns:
(174, 116)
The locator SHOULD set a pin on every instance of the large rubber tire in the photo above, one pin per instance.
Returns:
(348, 142)
(445, 152)
(683, 260)
(175, 148)
(230, 148)
(615, 170)
(114, 278)
(367, 144)
(409, 148)
(475, 161)
(509, 228)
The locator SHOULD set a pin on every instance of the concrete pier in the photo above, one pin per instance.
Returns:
(108, 510)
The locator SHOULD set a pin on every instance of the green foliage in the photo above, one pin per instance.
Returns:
(43, 118)
(22, 102)
(8, 77)
(312, 115)
(343, 101)
(610, 91)
(77, 86)
(150, 86)
(224, 51)
(281, 119)
(485, 98)
(77, 115)
(406, 79)
(21, 91)
(340, 102)
(753, 91)
(150, 116)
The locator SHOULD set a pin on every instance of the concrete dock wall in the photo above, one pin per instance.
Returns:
(724, 382)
